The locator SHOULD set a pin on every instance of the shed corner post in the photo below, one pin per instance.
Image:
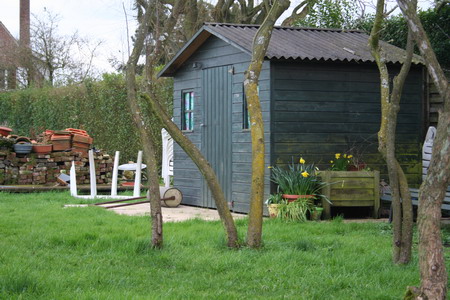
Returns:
(376, 193)
(326, 177)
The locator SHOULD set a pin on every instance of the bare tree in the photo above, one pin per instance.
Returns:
(145, 133)
(432, 191)
(177, 19)
(203, 165)
(390, 106)
(259, 49)
(60, 59)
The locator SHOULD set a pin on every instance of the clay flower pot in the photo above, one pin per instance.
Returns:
(292, 198)
(5, 131)
(23, 140)
(41, 148)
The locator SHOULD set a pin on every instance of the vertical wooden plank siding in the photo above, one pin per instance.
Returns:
(217, 53)
(216, 127)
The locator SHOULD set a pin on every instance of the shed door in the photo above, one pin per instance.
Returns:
(217, 124)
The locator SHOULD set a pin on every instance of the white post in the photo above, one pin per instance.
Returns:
(137, 178)
(114, 176)
(93, 179)
(167, 156)
(73, 181)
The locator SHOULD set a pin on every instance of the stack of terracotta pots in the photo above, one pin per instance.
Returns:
(61, 140)
(5, 131)
(81, 141)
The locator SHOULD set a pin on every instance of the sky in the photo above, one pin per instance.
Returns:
(97, 20)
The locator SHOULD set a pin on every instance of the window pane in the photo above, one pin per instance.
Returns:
(191, 102)
(191, 121)
(186, 101)
(187, 114)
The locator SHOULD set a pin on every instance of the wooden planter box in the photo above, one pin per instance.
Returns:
(351, 188)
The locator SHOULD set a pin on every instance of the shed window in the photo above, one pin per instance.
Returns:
(187, 111)
(245, 114)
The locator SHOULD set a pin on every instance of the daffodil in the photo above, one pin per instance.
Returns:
(305, 174)
(337, 155)
(331, 161)
(350, 156)
(302, 161)
(345, 155)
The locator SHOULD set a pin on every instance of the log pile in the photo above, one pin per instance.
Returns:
(44, 169)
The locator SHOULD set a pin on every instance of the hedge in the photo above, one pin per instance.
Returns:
(99, 107)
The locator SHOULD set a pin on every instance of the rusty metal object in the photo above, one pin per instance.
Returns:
(129, 204)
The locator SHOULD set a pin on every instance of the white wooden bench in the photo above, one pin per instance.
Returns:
(385, 195)
(427, 150)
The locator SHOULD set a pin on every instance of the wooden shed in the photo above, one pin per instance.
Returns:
(319, 91)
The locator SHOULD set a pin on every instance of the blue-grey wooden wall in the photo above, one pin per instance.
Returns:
(323, 108)
(213, 53)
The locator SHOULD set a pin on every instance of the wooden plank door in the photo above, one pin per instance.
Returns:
(217, 127)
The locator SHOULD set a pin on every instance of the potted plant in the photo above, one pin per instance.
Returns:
(350, 188)
(273, 202)
(347, 162)
(22, 148)
(296, 210)
(297, 181)
(316, 213)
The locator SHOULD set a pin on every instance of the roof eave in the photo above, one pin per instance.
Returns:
(191, 46)
(184, 53)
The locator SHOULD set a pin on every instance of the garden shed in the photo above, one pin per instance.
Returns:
(319, 91)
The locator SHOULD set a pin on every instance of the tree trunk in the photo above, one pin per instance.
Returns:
(390, 106)
(305, 6)
(260, 44)
(433, 273)
(204, 167)
(144, 132)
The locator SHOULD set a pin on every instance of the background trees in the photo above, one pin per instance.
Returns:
(60, 59)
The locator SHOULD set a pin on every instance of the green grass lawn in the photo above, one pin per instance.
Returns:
(51, 252)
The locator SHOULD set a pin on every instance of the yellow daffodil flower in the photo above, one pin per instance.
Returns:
(350, 156)
(345, 155)
(332, 162)
(302, 161)
(337, 155)
(305, 174)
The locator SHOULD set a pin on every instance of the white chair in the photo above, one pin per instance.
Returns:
(427, 150)
(93, 181)
(167, 157)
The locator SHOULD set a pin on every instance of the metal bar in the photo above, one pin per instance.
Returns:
(121, 200)
(136, 198)
(127, 204)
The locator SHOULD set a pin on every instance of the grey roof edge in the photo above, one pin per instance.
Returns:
(286, 27)
(165, 72)
(170, 68)
(226, 39)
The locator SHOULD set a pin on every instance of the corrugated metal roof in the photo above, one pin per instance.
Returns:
(294, 43)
